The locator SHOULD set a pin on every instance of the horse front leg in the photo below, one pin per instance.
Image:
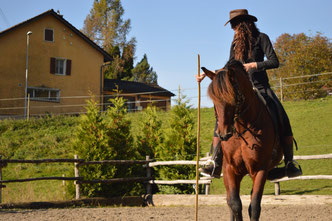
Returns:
(256, 195)
(232, 185)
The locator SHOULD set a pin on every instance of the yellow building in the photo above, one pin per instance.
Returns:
(64, 67)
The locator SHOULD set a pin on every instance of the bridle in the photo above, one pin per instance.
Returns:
(239, 111)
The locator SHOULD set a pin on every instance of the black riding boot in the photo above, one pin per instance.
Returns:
(290, 169)
(213, 167)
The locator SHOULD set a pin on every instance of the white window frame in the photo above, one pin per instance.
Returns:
(64, 66)
(49, 98)
(52, 34)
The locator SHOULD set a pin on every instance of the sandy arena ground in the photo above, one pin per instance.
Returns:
(284, 208)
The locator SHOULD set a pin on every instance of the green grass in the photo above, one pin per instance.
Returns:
(37, 139)
(52, 137)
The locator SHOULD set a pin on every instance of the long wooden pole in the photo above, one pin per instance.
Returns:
(198, 137)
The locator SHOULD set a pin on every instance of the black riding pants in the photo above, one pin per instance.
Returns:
(273, 102)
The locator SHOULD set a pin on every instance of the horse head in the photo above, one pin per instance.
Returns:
(230, 91)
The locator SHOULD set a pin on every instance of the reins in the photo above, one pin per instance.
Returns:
(247, 128)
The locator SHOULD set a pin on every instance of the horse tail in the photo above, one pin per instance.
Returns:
(221, 90)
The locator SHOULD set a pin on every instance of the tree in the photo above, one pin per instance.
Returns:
(91, 144)
(107, 136)
(143, 72)
(106, 27)
(300, 55)
(150, 135)
(179, 144)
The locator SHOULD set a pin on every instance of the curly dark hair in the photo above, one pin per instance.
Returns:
(244, 38)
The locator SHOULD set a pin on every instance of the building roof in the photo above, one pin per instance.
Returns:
(107, 57)
(132, 87)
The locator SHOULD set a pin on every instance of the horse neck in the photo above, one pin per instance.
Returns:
(251, 107)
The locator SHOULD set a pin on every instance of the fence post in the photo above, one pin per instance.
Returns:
(281, 91)
(77, 174)
(207, 189)
(148, 175)
(277, 188)
(207, 186)
(64, 185)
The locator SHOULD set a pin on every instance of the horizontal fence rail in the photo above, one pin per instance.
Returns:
(4, 161)
(148, 164)
(169, 182)
(311, 177)
(179, 162)
(40, 178)
(116, 162)
(313, 157)
(117, 180)
(202, 180)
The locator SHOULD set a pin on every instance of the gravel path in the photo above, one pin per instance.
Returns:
(181, 207)
(269, 212)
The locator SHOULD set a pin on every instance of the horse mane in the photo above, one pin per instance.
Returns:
(221, 89)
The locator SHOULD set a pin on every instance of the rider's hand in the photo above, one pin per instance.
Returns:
(250, 66)
(200, 77)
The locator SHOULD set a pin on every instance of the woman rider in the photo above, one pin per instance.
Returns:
(250, 46)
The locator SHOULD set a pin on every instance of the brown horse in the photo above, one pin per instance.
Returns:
(249, 141)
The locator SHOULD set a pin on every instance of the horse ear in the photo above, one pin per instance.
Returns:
(208, 73)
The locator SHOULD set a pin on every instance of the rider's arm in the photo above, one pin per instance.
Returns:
(271, 57)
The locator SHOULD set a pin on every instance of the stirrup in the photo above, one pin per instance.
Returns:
(295, 163)
(208, 162)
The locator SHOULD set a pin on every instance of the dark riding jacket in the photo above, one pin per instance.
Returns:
(262, 48)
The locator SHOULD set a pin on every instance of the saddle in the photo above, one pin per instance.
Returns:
(273, 110)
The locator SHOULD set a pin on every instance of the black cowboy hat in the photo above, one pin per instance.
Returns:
(240, 13)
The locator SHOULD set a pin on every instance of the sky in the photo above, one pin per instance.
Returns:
(173, 32)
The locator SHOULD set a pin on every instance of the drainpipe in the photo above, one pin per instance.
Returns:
(102, 84)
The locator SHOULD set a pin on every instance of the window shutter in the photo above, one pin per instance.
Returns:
(52, 66)
(48, 35)
(68, 67)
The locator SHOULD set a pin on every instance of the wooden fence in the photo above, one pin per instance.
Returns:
(78, 180)
(309, 177)
(148, 164)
